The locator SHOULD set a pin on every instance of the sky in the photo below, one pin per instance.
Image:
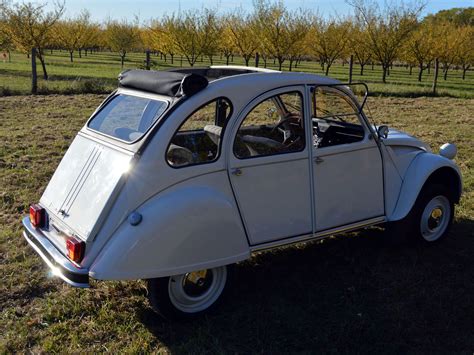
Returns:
(146, 9)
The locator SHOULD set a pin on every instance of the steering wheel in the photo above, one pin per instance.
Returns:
(284, 126)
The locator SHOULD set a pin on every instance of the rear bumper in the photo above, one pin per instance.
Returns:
(57, 262)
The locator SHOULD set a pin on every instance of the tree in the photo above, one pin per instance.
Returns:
(447, 43)
(457, 16)
(244, 35)
(330, 41)
(387, 28)
(210, 33)
(420, 47)
(465, 57)
(298, 29)
(123, 37)
(6, 42)
(359, 45)
(272, 22)
(185, 33)
(72, 34)
(30, 26)
(226, 42)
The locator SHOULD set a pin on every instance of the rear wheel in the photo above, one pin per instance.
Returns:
(429, 219)
(187, 295)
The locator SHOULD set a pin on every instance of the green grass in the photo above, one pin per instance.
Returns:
(97, 72)
(350, 293)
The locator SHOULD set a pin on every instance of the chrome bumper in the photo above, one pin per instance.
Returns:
(58, 263)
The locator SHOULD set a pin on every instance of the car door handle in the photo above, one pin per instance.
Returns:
(237, 172)
(318, 160)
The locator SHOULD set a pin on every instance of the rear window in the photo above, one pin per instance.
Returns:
(127, 117)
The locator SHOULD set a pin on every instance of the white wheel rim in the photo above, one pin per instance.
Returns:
(181, 298)
(435, 218)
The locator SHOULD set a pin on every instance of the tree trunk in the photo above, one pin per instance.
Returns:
(43, 64)
(210, 59)
(291, 65)
(464, 70)
(362, 69)
(445, 73)
(80, 53)
(384, 73)
(172, 58)
(372, 66)
(435, 78)
(411, 69)
(227, 57)
(351, 65)
(327, 68)
(257, 59)
(34, 74)
(420, 73)
(147, 60)
(280, 63)
(122, 59)
(247, 60)
(71, 56)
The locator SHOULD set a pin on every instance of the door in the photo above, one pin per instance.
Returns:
(347, 164)
(269, 167)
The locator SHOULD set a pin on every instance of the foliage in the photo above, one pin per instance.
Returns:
(123, 37)
(29, 26)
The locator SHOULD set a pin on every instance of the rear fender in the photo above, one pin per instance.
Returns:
(183, 229)
(424, 167)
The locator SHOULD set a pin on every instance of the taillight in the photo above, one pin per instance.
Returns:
(37, 216)
(75, 249)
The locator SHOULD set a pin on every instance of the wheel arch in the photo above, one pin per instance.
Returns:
(426, 169)
(183, 229)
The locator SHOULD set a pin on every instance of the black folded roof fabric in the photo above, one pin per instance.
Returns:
(163, 82)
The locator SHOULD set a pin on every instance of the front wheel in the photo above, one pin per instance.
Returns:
(430, 218)
(187, 295)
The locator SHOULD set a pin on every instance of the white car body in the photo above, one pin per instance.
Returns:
(209, 215)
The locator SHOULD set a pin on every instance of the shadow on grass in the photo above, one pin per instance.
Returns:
(350, 293)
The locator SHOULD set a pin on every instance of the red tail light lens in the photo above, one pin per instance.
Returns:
(37, 216)
(75, 249)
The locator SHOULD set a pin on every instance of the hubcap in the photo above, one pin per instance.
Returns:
(196, 291)
(435, 218)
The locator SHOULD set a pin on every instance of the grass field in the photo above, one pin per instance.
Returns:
(98, 72)
(349, 293)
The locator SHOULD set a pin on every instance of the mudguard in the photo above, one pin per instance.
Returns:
(420, 169)
(183, 229)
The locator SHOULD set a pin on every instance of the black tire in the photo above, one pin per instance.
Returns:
(409, 229)
(162, 299)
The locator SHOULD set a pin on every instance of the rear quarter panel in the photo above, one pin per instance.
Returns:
(190, 226)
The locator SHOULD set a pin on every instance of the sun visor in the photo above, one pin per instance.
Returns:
(163, 82)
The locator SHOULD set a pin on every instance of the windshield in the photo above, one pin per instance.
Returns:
(127, 117)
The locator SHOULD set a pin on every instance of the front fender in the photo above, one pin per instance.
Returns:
(420, 169)
(185, 228)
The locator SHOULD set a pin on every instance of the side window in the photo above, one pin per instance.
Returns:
(335, 117)
(274, 126)
(198, 140)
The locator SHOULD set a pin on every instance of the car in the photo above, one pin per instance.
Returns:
(180, 174)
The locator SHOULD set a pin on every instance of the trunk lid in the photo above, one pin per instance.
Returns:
(85, 185)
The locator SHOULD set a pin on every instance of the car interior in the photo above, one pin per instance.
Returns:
(274, 126)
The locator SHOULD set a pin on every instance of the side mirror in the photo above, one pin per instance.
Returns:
(382, 131)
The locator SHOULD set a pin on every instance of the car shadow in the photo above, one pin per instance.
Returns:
(348, 293)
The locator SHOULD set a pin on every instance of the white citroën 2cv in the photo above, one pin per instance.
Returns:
(179, 174)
